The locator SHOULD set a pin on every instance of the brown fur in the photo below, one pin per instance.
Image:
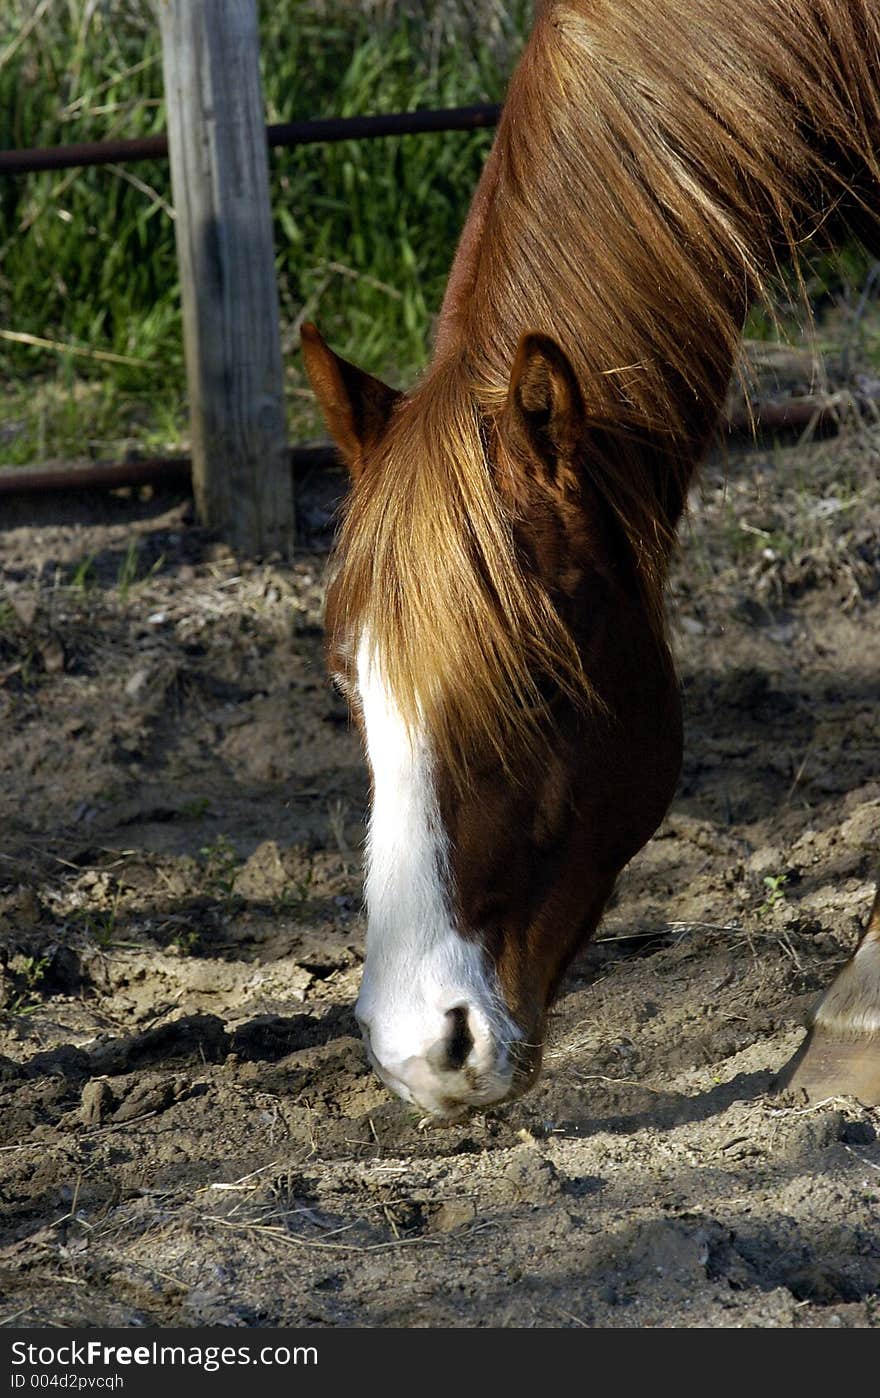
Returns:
(654, 160)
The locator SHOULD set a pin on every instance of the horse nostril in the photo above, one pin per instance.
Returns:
(451, 1053)
(460, 1040)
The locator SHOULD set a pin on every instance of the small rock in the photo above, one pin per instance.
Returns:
(96, 1103)
(529, 1178)
(146, 1097)
(769, 859)
(136, 683)
(814, 1133)
(452, 1214)
(52, 656)
(24, 604)
(262, 877)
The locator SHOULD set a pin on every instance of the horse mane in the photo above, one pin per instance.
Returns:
(656, 162)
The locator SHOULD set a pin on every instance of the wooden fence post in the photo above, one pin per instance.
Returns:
(220, 183)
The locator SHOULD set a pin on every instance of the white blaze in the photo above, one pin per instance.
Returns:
(418, 967)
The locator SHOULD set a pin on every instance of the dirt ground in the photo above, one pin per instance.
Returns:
(189, 1133)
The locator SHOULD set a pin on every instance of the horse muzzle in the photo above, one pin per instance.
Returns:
(447, 1062)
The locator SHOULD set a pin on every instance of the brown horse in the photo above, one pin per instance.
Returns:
(496, 616)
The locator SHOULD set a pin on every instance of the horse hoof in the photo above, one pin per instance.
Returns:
(840, 1057)
(831, 1065)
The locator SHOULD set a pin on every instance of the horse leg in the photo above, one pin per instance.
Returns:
(841, 1054)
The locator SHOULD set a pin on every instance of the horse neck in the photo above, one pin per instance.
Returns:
(463, 273)
(637, 242)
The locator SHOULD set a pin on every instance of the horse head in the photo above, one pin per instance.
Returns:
(488, 622)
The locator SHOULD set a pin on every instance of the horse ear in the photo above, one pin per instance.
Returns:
(545, 409)
(356, 406)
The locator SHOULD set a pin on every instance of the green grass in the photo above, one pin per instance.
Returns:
(365, 231)
(28, 979)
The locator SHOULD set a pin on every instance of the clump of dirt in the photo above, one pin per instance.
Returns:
(190, 1132)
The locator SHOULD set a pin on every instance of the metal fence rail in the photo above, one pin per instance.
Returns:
(284, 134)
(178, 470)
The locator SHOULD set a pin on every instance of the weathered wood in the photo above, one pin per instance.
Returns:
(220, 183)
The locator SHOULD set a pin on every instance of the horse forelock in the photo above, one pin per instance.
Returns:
(427, 566)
